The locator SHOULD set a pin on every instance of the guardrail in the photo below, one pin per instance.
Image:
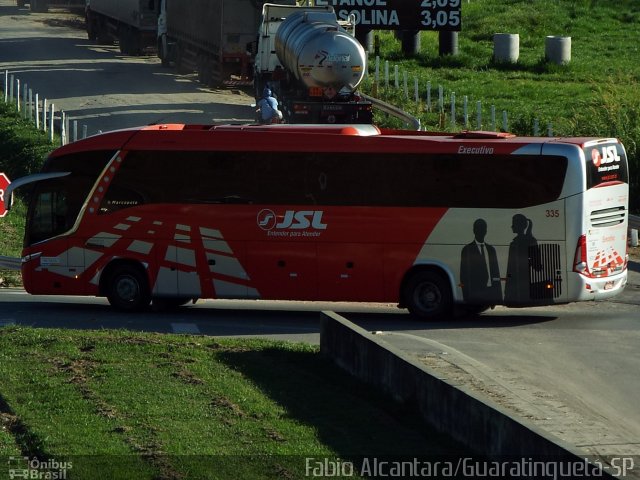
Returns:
(9, 263)
(408, 119)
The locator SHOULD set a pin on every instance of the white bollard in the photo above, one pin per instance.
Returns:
(453, 108)
(31, 104)
(506, 47)
(465, 108)
(51, 115)
(386, 73)
(493, 118)
(634, 237)
(37, 111)
(557, 49)
(405, 85)
(44, 115)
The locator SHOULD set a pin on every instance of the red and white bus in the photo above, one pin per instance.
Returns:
(172, 213)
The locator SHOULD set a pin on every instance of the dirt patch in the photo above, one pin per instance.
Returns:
(224, 404)
(187, 377)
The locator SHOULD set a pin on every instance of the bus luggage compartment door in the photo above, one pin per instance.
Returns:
(350, 272)
(283, 270)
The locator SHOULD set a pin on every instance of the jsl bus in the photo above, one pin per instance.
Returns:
(173, 213)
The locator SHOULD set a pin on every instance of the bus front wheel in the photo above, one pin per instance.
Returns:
(128, 289)
(427, 295)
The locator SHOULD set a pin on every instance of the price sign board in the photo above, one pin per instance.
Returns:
(400, 14)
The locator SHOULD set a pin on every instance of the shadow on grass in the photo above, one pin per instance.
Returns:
(351, 418)
(29, 443)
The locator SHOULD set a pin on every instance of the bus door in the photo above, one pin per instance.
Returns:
(60, 257)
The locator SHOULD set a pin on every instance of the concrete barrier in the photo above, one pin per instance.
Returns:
(558, 49)
(506, 47)
(485, 428)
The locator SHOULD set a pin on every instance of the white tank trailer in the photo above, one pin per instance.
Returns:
(319, 52)
(313, 63)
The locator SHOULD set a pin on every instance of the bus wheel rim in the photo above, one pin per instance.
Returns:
(428, 296)
(127, 289)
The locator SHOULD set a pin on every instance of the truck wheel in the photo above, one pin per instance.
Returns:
(102, 32)
(124, 41)
(427, 295)
(128, 289)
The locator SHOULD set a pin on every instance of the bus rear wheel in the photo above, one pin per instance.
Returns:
(427, 295)
(128, 289)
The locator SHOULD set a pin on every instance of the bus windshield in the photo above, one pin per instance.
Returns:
(57, 202)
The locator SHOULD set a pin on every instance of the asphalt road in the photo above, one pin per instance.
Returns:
(99, 87)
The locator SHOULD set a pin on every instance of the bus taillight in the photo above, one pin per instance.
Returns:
(580, 264)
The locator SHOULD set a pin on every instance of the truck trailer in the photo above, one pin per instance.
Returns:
(131, 23)
(211, 37)
(313, 63)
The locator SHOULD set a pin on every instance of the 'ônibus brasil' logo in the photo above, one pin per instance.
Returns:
(292, 220)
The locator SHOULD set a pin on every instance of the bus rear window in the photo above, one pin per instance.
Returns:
(606, 163)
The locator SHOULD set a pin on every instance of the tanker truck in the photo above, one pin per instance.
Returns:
(131, 23)
(211, 37)
(313, 64)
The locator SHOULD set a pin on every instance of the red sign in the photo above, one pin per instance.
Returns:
(4, 183)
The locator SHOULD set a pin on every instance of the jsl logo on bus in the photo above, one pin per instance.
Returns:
(292, 219)
(609, 155)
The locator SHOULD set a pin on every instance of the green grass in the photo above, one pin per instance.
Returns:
(604, 67)
(12, 229)
(596, 94)
(23, 147)
(23, 152)
(168, 406)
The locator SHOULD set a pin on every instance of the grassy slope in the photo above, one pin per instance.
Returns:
(603, 69)
(169, 406)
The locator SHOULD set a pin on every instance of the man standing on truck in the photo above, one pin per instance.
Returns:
(268, 108)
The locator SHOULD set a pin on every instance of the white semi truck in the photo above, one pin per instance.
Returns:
(214, 38)
(131, 23)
